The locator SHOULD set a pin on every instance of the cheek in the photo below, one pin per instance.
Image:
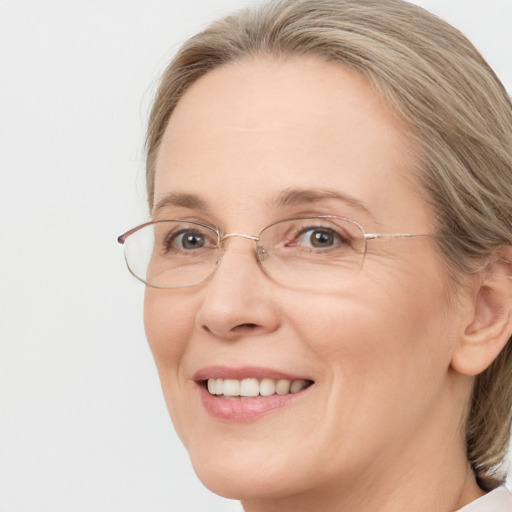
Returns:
(168, 325)
(379, 327)
(381, 348)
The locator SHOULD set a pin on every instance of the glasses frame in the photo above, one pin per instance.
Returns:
(260, 250)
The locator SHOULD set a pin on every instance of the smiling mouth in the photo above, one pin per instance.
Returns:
(252, 387)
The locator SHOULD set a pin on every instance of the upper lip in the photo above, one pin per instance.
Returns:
(245, 372)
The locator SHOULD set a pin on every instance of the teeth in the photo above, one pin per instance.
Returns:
(231, 387)
(252, 387)
(296, 386)
(249, 387)
(282, 387)
(219, 386)
(267, 387)
(211, 386)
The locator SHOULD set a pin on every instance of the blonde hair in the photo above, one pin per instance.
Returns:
(457, 108)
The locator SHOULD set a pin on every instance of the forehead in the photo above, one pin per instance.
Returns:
(248, 131)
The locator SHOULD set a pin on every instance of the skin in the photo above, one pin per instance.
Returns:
(381, 427)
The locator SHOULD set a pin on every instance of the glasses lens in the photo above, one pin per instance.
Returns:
(314, 252)
(172, 254)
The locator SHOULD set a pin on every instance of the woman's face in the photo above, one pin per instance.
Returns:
(376, 351)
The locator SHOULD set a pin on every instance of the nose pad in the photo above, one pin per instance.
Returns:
(261, 253)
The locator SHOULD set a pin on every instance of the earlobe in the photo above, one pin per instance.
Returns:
(490, 326)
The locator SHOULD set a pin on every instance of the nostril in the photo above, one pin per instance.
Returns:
(238, 329)
(247, 326)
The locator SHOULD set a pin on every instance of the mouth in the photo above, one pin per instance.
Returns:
(244, 395)
(253, 387)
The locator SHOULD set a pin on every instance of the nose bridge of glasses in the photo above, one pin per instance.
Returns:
(260, 251)
(243, 235)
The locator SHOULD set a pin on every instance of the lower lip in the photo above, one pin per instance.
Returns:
(245, 410)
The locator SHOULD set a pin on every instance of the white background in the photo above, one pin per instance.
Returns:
(83, 426)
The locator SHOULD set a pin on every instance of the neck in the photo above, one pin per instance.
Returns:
(446, 493)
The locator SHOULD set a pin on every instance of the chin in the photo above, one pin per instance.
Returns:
(245, 478)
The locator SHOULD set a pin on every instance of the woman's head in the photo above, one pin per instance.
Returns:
(450, 126)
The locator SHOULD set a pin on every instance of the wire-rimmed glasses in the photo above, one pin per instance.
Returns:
(317, 252)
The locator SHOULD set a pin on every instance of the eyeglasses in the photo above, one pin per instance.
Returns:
(316, 253)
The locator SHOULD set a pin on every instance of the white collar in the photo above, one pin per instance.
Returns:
(498, 500)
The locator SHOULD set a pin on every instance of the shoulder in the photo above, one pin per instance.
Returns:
(498, 500)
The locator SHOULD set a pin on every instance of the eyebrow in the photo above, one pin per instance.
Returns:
(298, 197)
(178, 199)
(287, 198)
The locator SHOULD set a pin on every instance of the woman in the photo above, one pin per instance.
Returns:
(329, 301)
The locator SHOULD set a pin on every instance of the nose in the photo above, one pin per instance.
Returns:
(239, 297)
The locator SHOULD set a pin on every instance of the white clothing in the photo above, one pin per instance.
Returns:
(498, 500)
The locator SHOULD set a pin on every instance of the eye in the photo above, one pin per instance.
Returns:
(319, 238)
(188, 240)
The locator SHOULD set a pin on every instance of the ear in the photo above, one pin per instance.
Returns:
(490, 325)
